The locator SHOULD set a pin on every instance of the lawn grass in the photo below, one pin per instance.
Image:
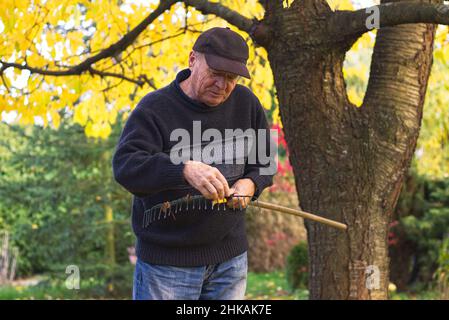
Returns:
(272, 286)
(55, 290)
(423, 295)
(267, 286)
(35, 293)
(261, 286)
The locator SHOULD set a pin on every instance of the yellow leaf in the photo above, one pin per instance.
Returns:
(104, 130)
(55, 118)
(354, 97)
(81, 114)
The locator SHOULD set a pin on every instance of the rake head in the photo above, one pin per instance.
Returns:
(171, 208)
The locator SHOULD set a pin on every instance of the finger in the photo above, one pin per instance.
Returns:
(218, 187)
(244, 201)
(224, 183)
(204, 192)
(247, 201)
(233, 201)
(211, 191)
(239, 201)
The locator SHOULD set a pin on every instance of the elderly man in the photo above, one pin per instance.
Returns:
(196, 254)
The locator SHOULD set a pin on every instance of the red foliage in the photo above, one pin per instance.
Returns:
(284, 166)
(392, 238)
(281, 138)
(275, 238)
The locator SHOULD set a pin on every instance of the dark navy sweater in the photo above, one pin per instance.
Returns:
(142, 165)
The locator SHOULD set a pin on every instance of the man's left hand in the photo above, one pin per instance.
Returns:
(243, 187)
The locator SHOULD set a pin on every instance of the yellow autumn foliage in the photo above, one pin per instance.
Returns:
(58, 34)
(53, 34)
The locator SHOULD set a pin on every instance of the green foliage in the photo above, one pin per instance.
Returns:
(54, 188)
(297, 266)
(428, 229)
(442, 273)
(432, 146)
(422, 225)
(93, 285)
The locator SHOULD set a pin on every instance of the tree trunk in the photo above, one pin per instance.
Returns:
(349, 162)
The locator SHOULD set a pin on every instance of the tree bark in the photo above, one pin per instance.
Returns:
(349, 162)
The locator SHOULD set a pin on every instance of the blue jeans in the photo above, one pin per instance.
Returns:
(223, 281)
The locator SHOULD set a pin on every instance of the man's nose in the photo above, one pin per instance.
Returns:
(220, 82)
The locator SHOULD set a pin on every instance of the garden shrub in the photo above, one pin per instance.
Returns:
(297, 266)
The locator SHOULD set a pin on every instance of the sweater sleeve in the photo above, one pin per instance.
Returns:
(262, 171)
(139, 163)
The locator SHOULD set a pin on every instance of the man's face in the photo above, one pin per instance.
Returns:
(210, 86)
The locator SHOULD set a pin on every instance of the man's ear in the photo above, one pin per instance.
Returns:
(192, 59)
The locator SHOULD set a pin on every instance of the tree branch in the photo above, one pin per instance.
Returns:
(255, 28)
(113, 50)
(271, 5)
(142, 79)
(352, 23)
(231, 16)
(127, 40)
(70, 72)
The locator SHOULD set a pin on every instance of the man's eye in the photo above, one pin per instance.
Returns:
(229, 77)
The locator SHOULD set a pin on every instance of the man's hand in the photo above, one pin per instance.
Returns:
(207, 180)
(243, 187)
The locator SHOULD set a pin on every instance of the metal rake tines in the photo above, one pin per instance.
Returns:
(198, 202)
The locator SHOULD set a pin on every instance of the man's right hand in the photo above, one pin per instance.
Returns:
(206, 179)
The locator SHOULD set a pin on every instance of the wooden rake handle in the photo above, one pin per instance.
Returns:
(299, 213)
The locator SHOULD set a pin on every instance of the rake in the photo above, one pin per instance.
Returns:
(198, 202)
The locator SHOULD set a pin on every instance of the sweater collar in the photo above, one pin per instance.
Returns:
(194, 104)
